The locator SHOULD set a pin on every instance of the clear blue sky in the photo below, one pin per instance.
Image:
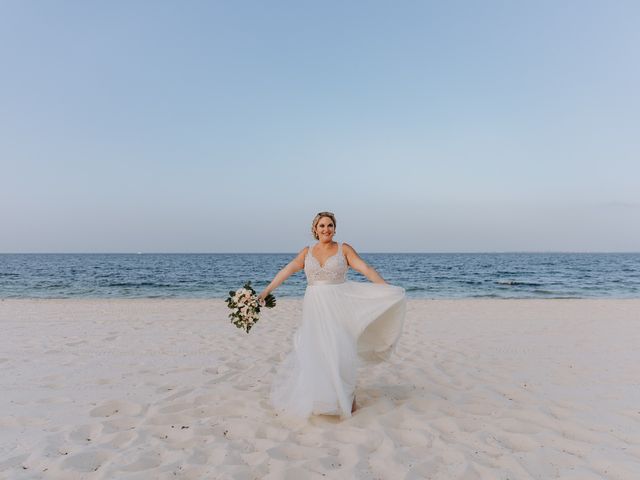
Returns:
(220, 126)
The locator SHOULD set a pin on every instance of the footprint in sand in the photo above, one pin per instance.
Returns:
(354, 436)
(114, 407)
(165, 388)
(13, 461)
(410, 438)
(516, 442)
(178, 407)
(179, 394)
(222, 378)
(272, 433)
(119, 424)
(169, 419)
(86, 461)
(289, 452)
(86, 434)
(122, 439)
(198, 457)
(146, 461)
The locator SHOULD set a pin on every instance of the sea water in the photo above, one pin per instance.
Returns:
(423, 275)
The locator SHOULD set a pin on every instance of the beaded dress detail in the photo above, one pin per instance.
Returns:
(334, 269)
(344, 324)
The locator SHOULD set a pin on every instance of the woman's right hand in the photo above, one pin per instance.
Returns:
(293, 266)
(261, 298)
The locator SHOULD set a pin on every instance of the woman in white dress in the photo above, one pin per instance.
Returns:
(343, 324)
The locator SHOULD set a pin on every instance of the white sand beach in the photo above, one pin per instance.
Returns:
(477, 389)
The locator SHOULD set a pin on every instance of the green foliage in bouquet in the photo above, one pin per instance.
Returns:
(245, 307)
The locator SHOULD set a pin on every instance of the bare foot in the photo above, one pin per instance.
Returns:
(353, 405)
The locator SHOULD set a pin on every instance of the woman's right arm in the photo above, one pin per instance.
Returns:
(292, 267)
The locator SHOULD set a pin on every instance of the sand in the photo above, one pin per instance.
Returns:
(162, 388)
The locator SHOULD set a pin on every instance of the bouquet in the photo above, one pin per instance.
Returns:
(245, 306)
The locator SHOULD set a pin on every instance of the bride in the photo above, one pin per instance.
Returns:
(344, 324)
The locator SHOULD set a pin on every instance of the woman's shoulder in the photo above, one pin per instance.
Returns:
(347, 248)
(301, 258)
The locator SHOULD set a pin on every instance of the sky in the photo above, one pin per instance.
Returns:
(225, 126)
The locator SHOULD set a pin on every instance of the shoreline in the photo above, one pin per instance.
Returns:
(299, 298)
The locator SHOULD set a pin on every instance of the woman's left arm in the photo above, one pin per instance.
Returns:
(358, 264)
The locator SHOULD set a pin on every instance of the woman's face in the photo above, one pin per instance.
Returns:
(325, 229)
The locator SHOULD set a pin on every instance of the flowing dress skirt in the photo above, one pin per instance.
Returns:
(343, 325)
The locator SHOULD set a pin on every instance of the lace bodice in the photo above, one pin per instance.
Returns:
(334, 269)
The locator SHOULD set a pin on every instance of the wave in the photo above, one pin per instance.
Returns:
(518, 283)
(139, 284)
(415, 289)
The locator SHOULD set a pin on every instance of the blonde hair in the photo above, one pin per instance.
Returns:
(317, 218)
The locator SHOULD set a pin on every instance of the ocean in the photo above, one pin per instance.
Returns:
(423, 275)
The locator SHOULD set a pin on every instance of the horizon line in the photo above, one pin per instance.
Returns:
(294, 253)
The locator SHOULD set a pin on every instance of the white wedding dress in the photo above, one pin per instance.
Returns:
(344, 323)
